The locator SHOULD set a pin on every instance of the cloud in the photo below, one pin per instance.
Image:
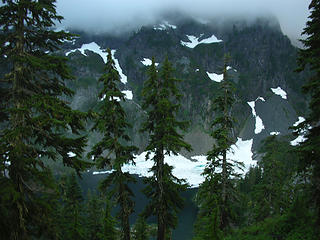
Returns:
(124, 15)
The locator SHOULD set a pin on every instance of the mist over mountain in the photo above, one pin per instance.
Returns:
(123, 16)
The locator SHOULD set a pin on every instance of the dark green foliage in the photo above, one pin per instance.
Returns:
(94, 222)
(34, 117)
(217, 192)
(111, 150)
(309, 57)
(72, 211)
(161, 101)
(208, 221)
(141, 229)
(109, 223)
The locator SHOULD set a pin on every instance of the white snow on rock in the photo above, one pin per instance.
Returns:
(148, 62)
(259, 124)
(194, 41)
(300, 120)
(280, 92)
(91, 47)
(274, 133)
(187, 169)
(215, 77)
(164, 26)
(97, 49)
(197, 70)
(123, 78)
(71, 154)
(127, 94)
(298, 140)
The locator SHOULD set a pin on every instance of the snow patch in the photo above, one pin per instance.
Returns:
(127, 94)
(164, 26)
(148, 62)
(274, 133)
(91, 47)
(280, 92)
(298, 140)
(71, 154)
(215, 77)
(187, 169)
(300, 120)
(259, 124)
(194, 41)
(123, 78)
(197, 70)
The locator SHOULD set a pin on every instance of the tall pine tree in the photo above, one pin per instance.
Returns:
(309, 57)
(112, 150)
(161, 101)
(220, 170)
(34, 119)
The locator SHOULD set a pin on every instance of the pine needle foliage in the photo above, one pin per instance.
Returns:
(34, 117)
(113, 150)
(309, 57)
(161, 102)
(218, 188)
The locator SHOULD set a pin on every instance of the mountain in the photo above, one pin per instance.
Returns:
(262, 68)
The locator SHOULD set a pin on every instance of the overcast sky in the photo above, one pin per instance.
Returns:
(117, 15)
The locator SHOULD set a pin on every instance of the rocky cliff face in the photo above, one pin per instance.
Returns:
(262, 58)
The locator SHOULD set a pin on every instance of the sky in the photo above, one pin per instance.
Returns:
(125, 15)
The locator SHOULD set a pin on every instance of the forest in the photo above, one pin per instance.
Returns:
(279, 198)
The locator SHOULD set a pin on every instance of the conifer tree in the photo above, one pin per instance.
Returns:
(34, 119)
(140, 229)
(219, 169)
(72, 210)
(109, 224)
(94, 222)
(112, 150)
(161, 101)
(309, 57)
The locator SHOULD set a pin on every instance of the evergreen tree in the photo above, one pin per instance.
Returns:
(109, 223)
(72, 210)
(309, 57)
(34, 119)
(94, 222)
(111, 150)
(161, 101)
(220, 170)
(140, 229)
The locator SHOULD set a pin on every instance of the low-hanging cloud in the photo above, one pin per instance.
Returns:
(123, 15)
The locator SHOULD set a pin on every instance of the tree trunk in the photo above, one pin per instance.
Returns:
(161, 209)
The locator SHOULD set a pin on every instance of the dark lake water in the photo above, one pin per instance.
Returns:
(187, 216)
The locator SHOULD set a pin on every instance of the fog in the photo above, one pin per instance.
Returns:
(124, 15)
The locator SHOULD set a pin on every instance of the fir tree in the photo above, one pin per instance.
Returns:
(161, 101)
(109, 224)
(220, 169)
(111, 150)
(140, 229)
(72, 210)
(309, 57)
(34, 117)
(94, 222)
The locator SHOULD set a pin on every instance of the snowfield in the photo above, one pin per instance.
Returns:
(164, 26)
(148, 62)
(97, 49)
(189, 169)
(280, 92)
(259, 124)
(300, 138)
(215, 77)
(194, 41)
